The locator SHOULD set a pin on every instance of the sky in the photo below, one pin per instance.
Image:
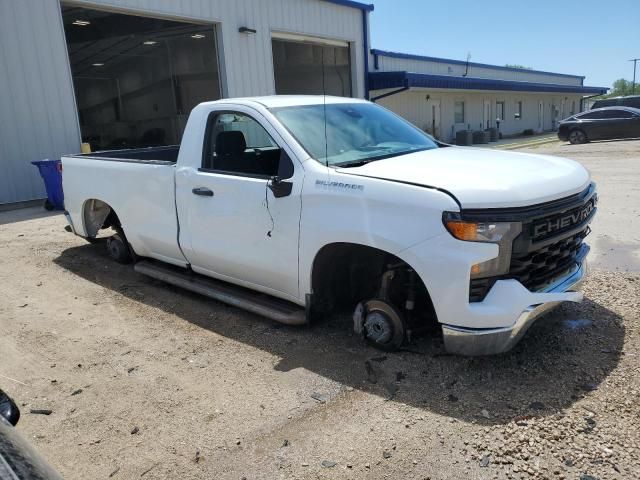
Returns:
(590, 38)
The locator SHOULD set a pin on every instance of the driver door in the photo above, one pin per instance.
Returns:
(232, 225)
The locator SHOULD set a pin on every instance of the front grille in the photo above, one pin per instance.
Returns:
(539, 268)
(555, 225)
(536, 269)
(479, 287)
(549, 246)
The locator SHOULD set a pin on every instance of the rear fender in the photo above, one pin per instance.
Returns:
(95, 213)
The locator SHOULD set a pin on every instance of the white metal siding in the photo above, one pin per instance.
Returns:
(247, 58)
(38, 118)
(414, 106)
(390, 64)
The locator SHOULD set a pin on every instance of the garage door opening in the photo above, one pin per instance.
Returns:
(137, 78)
(299, 68)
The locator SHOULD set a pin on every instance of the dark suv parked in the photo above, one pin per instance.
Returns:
(601, 124)
(630, 101)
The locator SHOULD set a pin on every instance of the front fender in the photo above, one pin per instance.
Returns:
(386, 215)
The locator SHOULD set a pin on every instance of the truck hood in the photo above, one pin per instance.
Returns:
(483, 178)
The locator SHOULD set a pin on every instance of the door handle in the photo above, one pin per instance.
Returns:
(202, 191)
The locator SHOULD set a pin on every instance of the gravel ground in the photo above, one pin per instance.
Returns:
(146, 381)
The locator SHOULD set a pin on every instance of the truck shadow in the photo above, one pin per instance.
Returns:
(564, 355)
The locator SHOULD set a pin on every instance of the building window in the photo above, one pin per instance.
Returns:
(500, 111)
(518, 110)
(302, 68)
(573, 107)
(458, 112)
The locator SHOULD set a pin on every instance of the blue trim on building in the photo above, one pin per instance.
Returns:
(409, 56)
(350, 3)
(384, 80)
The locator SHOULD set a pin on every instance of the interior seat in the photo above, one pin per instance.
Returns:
(229, 149)
(232, 155)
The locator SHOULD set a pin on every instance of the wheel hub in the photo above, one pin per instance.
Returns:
(378, 327)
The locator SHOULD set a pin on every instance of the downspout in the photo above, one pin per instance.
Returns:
(365, 45)
(582, 99)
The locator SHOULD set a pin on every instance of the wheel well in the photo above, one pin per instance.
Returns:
(344, 274)
(98, 215)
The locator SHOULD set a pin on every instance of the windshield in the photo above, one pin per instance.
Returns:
(356, 133)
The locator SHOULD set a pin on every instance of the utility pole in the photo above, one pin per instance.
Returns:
(633, 85)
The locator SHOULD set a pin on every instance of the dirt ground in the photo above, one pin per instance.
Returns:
(148, 381)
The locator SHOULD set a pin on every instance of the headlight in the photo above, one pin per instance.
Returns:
(501, 233)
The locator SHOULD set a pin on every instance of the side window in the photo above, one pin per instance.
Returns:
(614, 114)
(590, 116)
(622, 114)
(237, 144)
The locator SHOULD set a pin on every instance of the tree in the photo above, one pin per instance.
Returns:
(621, 88)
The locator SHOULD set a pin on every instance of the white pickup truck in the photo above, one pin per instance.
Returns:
(296, 206)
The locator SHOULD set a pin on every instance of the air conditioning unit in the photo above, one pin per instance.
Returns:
(493, 134)
(480, 136)
(464, 137)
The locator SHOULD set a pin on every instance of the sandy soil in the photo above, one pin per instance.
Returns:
(147, 381)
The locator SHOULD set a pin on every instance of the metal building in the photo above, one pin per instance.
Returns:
(443, 96)
(125, 73)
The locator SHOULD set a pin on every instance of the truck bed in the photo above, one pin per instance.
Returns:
(152, 155)
(138, 185)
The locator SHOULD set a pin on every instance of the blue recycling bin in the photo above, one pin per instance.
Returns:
(51, 173)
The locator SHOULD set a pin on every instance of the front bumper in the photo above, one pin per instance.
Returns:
(491, 341)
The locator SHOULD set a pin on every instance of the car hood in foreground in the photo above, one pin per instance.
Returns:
(483, 178)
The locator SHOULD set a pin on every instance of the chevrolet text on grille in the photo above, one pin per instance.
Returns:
(574, 218)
